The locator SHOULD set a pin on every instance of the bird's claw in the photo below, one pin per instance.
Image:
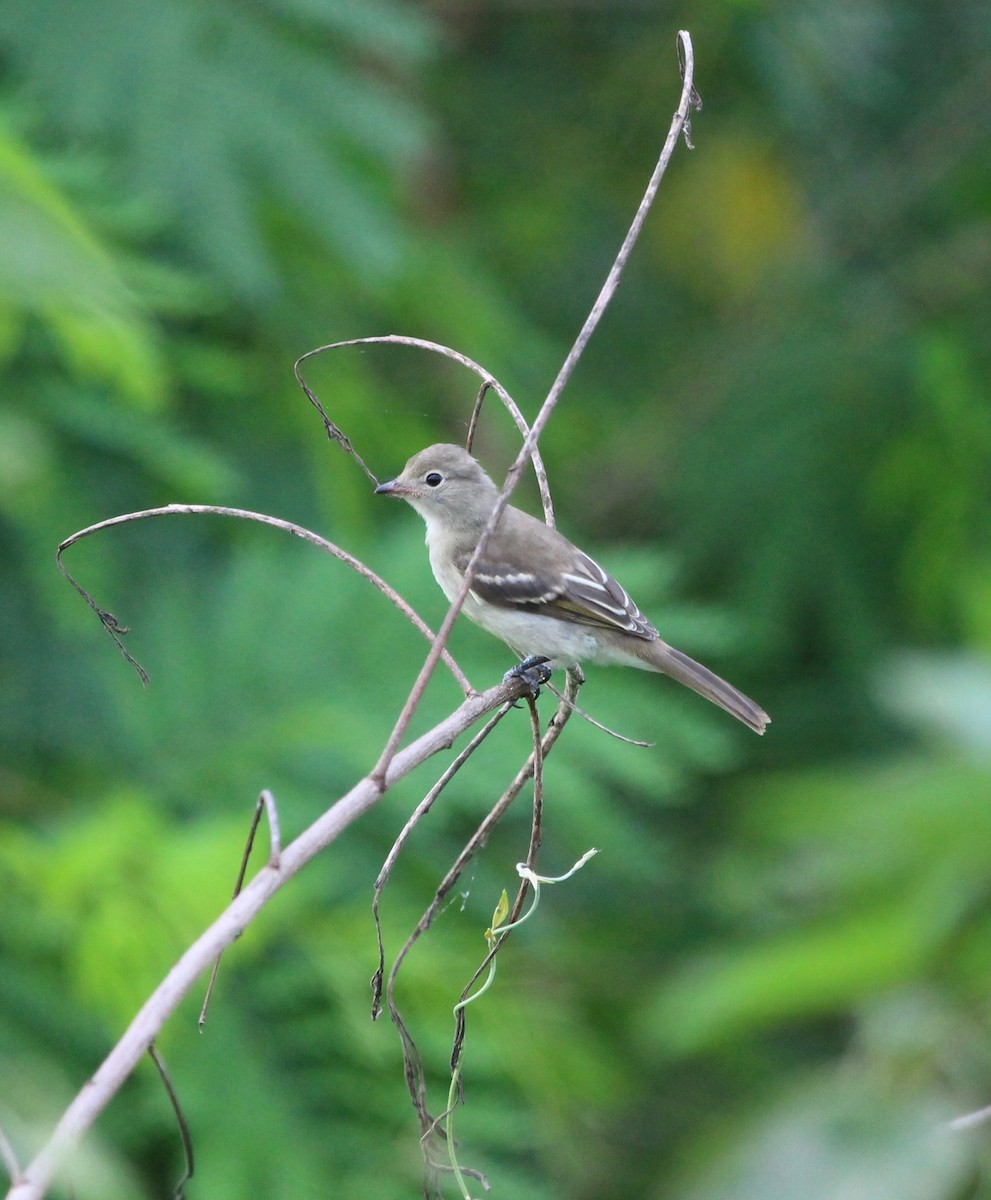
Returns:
(533, 670)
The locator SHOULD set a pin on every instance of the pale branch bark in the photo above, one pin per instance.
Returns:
(970, 1120)
(32, 1183)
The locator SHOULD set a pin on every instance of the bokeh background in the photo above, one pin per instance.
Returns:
(774, 980)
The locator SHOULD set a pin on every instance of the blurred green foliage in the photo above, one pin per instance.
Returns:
(773, 981)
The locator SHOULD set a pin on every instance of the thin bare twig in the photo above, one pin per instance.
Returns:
(536, 834)
(476, 412)
(334, 431)
(543, 484)
(266, 804)
(393, 763)
(263, 519)
(686, 64)
(537, 822)
(585, 716)
(179, 1191)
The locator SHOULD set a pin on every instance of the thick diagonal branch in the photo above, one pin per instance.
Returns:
(124, 1057)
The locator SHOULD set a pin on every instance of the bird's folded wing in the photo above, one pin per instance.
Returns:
(583, 593)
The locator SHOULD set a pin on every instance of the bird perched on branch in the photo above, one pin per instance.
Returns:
(532, 588)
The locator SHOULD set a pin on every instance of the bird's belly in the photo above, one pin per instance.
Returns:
(565, 643)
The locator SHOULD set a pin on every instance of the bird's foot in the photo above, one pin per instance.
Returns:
(533, 670)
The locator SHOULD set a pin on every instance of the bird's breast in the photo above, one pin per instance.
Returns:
(448, 577)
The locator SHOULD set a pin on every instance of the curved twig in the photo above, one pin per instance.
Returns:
(185, 1137)
(114, 628)
(489, 381)
(393, 763)
(586, 716)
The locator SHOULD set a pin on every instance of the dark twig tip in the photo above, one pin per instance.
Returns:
(476, 412)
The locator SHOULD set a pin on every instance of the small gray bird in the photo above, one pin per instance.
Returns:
(535, 590)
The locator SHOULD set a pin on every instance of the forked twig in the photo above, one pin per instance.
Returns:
(536, 834)
(122, 1059)
(689, 100)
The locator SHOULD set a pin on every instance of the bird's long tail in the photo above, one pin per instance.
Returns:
(700, 679)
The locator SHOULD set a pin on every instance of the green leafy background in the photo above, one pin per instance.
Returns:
(774, 979)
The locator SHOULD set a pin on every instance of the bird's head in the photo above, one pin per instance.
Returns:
(444, 482)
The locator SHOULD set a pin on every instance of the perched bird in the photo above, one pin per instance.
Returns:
(535, 590)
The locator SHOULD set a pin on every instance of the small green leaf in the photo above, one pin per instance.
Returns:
(501, 910)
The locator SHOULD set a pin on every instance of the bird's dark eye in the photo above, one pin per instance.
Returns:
(434, 479)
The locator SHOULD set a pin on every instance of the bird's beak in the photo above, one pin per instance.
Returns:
(394, 487)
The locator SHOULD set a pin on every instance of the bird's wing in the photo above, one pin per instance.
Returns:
(583, 592)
